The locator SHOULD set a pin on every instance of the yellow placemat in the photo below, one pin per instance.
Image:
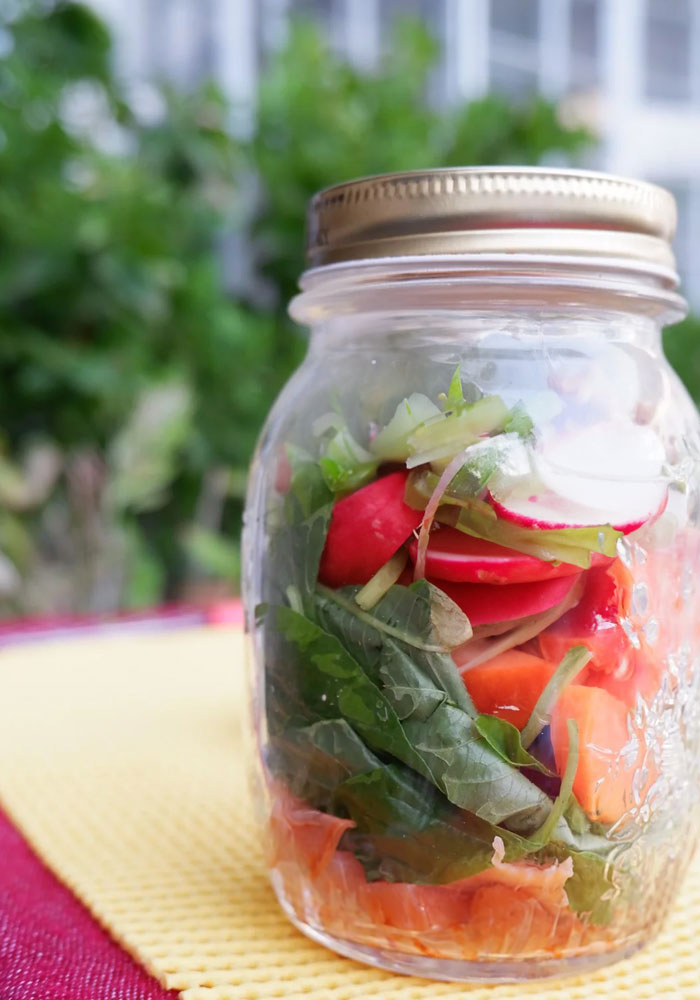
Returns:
(120, 760)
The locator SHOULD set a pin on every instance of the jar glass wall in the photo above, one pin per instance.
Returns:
(470, 550)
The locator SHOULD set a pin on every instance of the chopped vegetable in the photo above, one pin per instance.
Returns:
(391, 443)
(385, 577)
(509, 685)
(345, 464)
(484, 603)
(434, 781)
(445, 435)
(604, 779)
(570, 545)
(595, 623)
(569, 668)
(453, 555)
(366, 529)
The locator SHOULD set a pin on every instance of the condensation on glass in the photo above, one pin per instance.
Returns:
(471, 553)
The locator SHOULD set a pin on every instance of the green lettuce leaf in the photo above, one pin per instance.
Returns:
(503, 737)
(333, 685)
(406, 831)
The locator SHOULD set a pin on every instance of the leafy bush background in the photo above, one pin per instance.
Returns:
(134, 375)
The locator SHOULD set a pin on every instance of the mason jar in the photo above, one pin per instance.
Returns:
(471, 548)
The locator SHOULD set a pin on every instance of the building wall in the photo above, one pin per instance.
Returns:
(631, 68)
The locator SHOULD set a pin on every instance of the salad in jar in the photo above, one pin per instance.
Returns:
(454, 673)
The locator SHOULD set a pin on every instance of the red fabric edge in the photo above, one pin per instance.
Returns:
(51, 947)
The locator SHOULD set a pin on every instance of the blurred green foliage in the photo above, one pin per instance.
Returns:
(135, 378)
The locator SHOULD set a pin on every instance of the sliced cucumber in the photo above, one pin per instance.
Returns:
(391, 443)
(446, 434)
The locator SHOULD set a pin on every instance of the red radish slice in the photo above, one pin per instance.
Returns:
(283, 472)
(550, 512)
(610, 473)
(366, 529)
(431, 510)
(483, 603)
(454, 555)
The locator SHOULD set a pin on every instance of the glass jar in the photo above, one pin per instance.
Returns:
(471, 545)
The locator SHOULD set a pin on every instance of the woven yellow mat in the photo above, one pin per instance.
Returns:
(120, 760)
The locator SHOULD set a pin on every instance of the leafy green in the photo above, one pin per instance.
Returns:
(472, 775)
(364, 675)
(591, 889)
(571, 665)
(345, 599)
(332, 684)
(406, 831)
(519, 422)
(399, 630)
(503, 737)
(570, 545)
(315, 759)
(300, 540)
(344, 463)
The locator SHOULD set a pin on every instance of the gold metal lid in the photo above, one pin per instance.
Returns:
(493, 210)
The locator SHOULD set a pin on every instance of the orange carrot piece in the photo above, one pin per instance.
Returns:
(603, 782)
(509, 685)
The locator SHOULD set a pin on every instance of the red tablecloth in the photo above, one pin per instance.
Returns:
(51, 948)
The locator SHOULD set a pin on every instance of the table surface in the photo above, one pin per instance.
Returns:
(121, 763)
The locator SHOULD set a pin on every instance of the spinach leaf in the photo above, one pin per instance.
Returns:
(570, 667)
(315, 759)
(406, 831)
(298, 543)
(409, 690)
(472, 775)
(407, 612)
(462, 765)
(503, 737)
(333, 684)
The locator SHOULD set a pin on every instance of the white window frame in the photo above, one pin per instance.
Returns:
(467, 48)
(694, 55)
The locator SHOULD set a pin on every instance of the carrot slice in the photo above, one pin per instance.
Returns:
(603, 782)
(509, 685)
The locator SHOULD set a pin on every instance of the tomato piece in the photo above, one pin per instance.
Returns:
(595, 623)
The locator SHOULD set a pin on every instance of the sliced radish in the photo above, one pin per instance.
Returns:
(609, 473)
(605, 474)
(484, 603)
(454, 555)
(550, 512)
(366, 529)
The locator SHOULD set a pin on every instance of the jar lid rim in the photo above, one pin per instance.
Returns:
(472, 210)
